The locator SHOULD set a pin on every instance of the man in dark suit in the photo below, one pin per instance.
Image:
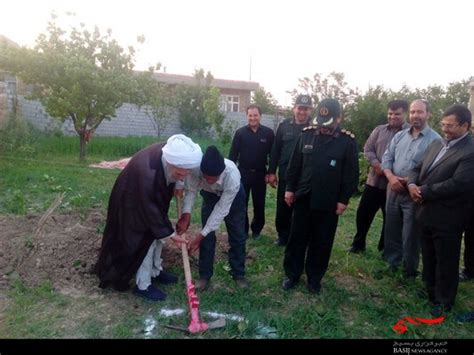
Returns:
(441, 185)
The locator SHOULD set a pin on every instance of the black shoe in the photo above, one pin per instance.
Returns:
(289, 283)
(355, 250)
(315, 289)
(165, 278)
(392, 269)
(201, 284)
(151, 293)
(280, 243)
(242, 282)
(464, 276)
(256, 236)
(439, 310)
(409, 276)
(465, 317)
(423, 294)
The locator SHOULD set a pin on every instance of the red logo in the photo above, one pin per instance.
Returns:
(400, 328)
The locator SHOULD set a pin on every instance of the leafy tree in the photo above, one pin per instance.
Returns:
(366, 112)
(198, 105)
(81, 75)
(211, 108)
(265, 101)
(319, 87)
(155, 98)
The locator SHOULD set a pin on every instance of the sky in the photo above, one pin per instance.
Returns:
(373, 42)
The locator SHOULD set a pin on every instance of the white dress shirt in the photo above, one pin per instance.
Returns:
(227, 187)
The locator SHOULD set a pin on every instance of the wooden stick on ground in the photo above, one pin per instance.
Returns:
(57, 202)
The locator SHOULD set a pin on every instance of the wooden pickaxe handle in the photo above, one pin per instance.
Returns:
(184, 248)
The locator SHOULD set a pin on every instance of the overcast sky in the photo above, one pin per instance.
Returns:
(391, 43)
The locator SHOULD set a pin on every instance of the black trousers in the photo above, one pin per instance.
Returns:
(441, 250)
(371, 201)
(254, 183)
(283, 212)
(469, 248)
(311, 238)
(235, 232)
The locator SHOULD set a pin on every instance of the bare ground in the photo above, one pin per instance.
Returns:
(64, 251)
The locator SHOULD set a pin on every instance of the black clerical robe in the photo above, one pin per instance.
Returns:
(137, 215)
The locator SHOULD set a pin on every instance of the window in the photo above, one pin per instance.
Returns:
(230, 103)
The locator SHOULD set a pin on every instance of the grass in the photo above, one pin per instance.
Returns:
(353, 305)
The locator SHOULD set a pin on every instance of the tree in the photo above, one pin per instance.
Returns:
(319, 87)
(81, 75)
(211, 108)
(265, 100)
(366, 112)
(155, 98)
(198, 105)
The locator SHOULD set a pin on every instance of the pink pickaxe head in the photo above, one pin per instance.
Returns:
(196, 325)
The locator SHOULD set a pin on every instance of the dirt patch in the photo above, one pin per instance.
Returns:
(64, 251)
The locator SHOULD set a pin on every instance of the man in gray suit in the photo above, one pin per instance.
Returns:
(441, 186)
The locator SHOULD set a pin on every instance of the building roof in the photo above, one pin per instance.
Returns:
(219, 83)
(4, 39)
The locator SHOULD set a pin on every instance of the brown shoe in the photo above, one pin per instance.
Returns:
(242, 282)
(201, 284)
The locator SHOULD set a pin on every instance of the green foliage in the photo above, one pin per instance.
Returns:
(17, 136)
(365, 113)
(370, 109)
(83, 75)
(15, 202)
(211, 108)
(155, 98)
(228, 131)
(198, 106)
(320, 87)
(363, 172)
(268, 104)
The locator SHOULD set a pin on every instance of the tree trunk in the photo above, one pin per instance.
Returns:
(82, 150)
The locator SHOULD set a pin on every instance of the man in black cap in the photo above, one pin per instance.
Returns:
(322, 174)
(285, 139)
(250, 149)
(223, 200)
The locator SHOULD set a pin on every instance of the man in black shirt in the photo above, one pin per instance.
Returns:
(250, 149)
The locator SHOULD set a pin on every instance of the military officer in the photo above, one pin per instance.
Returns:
(285, 139)
(322, 175)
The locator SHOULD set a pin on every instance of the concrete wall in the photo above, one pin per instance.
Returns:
(3, 104)
(129, 121)
(8, 98)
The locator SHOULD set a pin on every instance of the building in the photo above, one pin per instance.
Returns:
(235, 95)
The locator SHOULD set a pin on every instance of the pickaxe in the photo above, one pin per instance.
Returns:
(196, 325)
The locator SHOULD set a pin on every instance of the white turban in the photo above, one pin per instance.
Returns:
(182, 152)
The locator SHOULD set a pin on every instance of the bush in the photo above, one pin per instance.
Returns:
(363, 172)
(17, 136)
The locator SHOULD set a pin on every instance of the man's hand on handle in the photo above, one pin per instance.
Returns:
(183, 223)
(194, 243)
(178, 240)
